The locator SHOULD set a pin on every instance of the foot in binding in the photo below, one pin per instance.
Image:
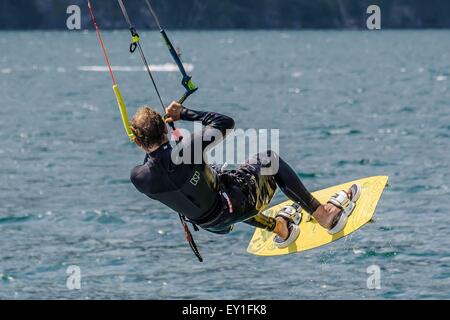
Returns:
(334, 215)
(292, 216)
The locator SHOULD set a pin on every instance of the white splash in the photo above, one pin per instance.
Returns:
(166, 67)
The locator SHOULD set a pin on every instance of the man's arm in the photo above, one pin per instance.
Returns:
(212, 123)
(215, 126)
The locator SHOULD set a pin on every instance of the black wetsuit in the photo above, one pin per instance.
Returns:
(212, 199)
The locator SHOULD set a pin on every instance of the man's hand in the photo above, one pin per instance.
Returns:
(173, 112)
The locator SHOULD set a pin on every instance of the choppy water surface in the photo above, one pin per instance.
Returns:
(349, 105)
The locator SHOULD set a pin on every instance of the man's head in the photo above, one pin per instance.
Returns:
(149, 128)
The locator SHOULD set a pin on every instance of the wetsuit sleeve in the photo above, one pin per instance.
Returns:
(209, 119)
(215, 127)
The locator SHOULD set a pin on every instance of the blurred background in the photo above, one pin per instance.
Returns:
(231, 14)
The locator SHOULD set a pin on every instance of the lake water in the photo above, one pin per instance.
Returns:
(349, 105)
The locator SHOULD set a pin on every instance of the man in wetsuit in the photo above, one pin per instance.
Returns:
(216, 200)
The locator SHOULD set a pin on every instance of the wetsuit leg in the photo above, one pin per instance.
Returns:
(288, 181)
(293, 188)
(262, 221)
(224, 230)
(252, 195)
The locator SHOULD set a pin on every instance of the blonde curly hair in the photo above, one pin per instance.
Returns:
(148, 127)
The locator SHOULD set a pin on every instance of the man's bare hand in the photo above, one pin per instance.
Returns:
(173, 112)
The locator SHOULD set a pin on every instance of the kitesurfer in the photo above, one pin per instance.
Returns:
(215, 200)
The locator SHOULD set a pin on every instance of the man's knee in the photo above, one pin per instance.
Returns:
(270, 163)
(271, 153)
(265, 158)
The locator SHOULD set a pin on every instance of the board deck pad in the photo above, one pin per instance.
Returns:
(312, 235)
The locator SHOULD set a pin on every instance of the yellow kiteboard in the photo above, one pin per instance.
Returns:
(312, 235)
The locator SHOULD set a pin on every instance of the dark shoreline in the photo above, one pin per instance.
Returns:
(230, 14)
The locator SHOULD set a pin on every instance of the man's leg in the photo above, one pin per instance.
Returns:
(278, 226)
(291, 185)
(293, 188)
(263, 222)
